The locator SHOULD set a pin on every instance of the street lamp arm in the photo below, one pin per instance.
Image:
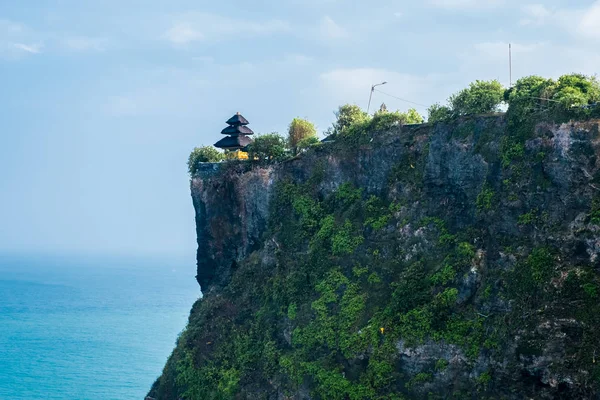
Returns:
(371, 94)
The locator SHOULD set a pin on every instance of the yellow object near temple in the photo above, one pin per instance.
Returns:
(237, 155)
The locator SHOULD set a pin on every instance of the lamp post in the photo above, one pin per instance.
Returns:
(371, 94)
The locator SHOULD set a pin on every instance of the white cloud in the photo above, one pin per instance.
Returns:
(16, 40)
(535, 14)
(183, 33)
(28, 48)
(538, 15)
(194, 26)
(329, 29)
(589, 25)
(582, 22)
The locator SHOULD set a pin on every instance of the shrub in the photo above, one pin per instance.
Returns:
(203, 154)
(484, 379)
(438, 112)
(577, 90)
(541, 264)
(354, 126)
(480, 97)
(383, 120)
(441, 364)
(418, 380)
(484, 199)
(307, 143)
(413, 117)
(534, 93)
(570, 97)
(267, 148)
(343, 242)
(528, 94)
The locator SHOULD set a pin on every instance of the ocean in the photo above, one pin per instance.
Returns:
(89, 328)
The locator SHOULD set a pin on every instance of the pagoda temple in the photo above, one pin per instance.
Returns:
(237, 137)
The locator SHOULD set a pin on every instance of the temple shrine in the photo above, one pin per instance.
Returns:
(237, 137)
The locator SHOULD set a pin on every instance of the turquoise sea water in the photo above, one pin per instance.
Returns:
(89, 328)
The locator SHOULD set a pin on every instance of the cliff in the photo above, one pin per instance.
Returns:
(451, 260)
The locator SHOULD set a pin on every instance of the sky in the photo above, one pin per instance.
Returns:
(102, 101)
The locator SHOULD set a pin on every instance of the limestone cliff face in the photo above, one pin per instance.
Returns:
(231, 215)
(419, 262)
(232, 201)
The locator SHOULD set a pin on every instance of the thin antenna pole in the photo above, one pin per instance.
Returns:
(510, 64)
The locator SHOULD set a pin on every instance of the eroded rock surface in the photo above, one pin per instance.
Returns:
(436, 261)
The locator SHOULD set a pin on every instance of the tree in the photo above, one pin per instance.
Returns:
(383, 120)
(534, 93)
(438, 112)
(267, 148)
(530, 91)
(577, 90)
(480, 97)
(203, 154)
(300, 129)
(413, 117)
(588, 85)
(346, 116)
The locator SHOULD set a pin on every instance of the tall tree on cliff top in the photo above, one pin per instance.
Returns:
(479, 98)
(299, 130)
(532, 94)
(346, 116)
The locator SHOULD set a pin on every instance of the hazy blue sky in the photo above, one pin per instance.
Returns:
(101, 101)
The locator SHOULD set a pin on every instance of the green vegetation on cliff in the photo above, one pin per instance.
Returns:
(268, 148)
(300, 133)
(201, 155)
(453, 260)
(530, 95)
